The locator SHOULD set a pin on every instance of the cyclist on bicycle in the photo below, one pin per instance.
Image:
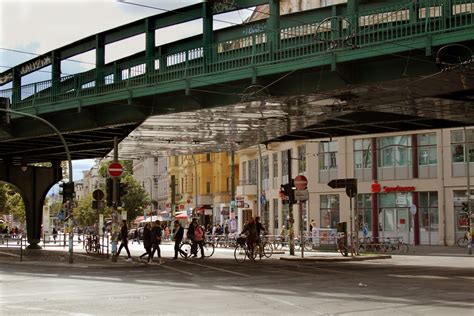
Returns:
(259, 227)
(251, 231)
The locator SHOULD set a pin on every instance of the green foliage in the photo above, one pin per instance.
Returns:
(135, 199)
(55, 208)
(84, 214)
(3, 197)
(16, 207)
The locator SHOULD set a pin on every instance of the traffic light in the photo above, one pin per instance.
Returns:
(288, 190)
(122, 191)
(109, 189)
(67, 191)
(464, 208)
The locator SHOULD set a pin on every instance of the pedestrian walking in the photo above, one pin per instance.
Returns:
(178, 237)
(55, 234)
(124, 242)
(190, 236)
(156, 240)
(135, 236)
(198, 239)
(147, 242)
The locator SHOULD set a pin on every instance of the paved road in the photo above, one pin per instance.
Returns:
(403, 285)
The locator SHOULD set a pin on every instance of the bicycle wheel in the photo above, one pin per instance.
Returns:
(186, 247)
(208, 249)
(240, 253)
(277, 245)
(462, 242)
(308, 245)
(403, 248)
(258, 253)
(267, 249)
(89, 249)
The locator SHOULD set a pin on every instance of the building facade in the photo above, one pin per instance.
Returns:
(411, 185)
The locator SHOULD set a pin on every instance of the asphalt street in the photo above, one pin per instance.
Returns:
(403, 285)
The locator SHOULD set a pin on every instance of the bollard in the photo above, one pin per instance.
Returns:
(21, 248)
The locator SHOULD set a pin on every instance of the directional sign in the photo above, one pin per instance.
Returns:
(301, 182)
(115, 169)
(350, 185)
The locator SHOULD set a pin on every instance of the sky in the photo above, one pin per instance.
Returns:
(29, 27)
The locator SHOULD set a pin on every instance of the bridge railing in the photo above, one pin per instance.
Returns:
(363, 32)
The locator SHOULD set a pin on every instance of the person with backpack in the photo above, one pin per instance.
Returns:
(147, 242)
(155, 235)
(198, 239)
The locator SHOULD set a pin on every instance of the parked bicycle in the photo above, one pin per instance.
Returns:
(463, 241)
(92, 244)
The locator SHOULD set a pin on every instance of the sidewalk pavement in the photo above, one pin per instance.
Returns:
(60, 257)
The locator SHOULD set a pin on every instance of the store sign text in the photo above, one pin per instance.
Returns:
(398, 189)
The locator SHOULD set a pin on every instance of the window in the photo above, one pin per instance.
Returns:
(428, 211)
(244, 172)
(285, 166)
(208, 157)
(327, 155)
(362, 153)
(427, 149)
(275, 213)
(252, 171)
(364, 209)
(275, 170)
(458, 143)
(394, 151)
(265, 171)
(301, 159)
(208, 187)
(329, 207)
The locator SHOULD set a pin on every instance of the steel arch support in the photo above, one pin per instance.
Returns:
(33, 184)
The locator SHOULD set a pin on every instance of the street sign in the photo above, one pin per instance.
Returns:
(98, 195)
(301, 195)
(342, 183)
(263, 199)
(350, 184)
(413, 209)
(115, 169)
(301, 182)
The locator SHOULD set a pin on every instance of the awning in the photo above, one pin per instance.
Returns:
(204, 209)
(182, 215)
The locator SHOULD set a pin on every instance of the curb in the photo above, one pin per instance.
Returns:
(336, 259)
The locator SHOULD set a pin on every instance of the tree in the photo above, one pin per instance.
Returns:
(136, 197)
(84, 214)
(16, 207)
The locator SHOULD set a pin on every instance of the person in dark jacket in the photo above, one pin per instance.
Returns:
(190, 236)
(155, 240)
(147, 242)
(178, 237)
(124, 243)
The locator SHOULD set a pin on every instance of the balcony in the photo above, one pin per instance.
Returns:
(247, 187)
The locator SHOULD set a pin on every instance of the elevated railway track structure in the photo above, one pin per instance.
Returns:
(354, 68)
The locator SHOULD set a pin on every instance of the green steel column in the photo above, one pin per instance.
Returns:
(273, 26)
(207, 33)
(352, 12)
(447, 13)
(161, 61)
(99, 60)
(16, 85)
(150, 48)
(55, 72)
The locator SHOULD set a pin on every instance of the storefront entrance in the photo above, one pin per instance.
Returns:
(395, 223)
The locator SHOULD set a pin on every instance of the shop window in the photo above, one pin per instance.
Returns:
(275, 216)
(301, 159)
(458, 145)
(427, 153)
(364, 211)
(275, 170)
(329, 209)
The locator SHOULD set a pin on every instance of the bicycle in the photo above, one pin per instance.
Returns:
(398, 246)
(463, 241)
(92, 244)
(207, 246)
(266, 247)
(242, 252)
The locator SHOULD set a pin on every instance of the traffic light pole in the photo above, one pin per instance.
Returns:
(468, 192)
(291, 230)
(115, 225)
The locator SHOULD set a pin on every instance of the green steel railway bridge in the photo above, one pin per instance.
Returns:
(349, 69)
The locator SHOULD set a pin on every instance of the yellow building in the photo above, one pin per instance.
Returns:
(203, 184)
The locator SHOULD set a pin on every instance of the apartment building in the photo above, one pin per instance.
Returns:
(411, 185)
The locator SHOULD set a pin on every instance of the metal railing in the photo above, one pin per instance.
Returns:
(361, 32)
